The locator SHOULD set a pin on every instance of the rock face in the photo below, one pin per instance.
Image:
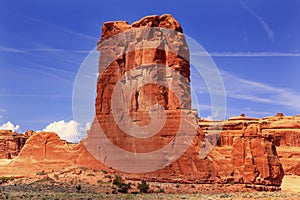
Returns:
(149, 70)
(252, 158)
(11, 143)
(138, 53)
(283, 131)
(46, 151)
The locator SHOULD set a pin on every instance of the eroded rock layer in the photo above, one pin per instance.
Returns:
(282, 131)
(11, 143)
(251, 160)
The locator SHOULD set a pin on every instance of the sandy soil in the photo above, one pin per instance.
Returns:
(291, 183)
(98, 185)
(4, 161)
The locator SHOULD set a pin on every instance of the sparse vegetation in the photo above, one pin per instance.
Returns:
(143, 186)
(47, 179)
(91, 175)
(161, 190)
(119, 182)
(108, 176)
(47, 190)
(84, 168)
(95, 170)
(5, 179)
(78, 188)
(56, 176)
(42, 173)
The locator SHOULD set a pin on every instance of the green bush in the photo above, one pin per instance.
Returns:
(91, 175)
(122, 187)
(107, 176)
(78, 188)
(143, 186)
(42, 173)
(5, 179)
(161, 190)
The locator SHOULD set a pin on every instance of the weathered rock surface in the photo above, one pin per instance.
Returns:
(283, 131)
(252, 157)
(11, 143)
(45, 151)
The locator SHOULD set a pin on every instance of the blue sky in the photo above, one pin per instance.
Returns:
(255, 44)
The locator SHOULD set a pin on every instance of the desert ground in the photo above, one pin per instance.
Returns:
(83, 183)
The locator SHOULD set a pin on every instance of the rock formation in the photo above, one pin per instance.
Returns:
(11, 143)
(45, 151)
(143, 65)
(147, 67)
(283, 131)
(251, 160)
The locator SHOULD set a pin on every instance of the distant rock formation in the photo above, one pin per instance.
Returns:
(283, 131)
(11, 143)
(45, 151)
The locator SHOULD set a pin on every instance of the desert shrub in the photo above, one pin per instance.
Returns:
(83, 168)
(143, 186)
(47, 179)
(107, 176)
(42, 173)
(104, 171)
(91, 175)
(119, 182)
(95, 170)
(78, 188)
(5, 179)
(56, 176)
(162, 190)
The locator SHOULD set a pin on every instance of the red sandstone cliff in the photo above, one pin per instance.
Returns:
(283, 131)
(11, 143)
(46, 151)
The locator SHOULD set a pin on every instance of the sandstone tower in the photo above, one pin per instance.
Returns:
(144, 79)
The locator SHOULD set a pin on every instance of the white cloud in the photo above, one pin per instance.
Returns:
(69, 131)
(10, 126)
(243, 89)
(252, 91)
(47, 50)
(248, 54)
(61, 28)
(265, 26)
(12, 50)
(36, 95)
